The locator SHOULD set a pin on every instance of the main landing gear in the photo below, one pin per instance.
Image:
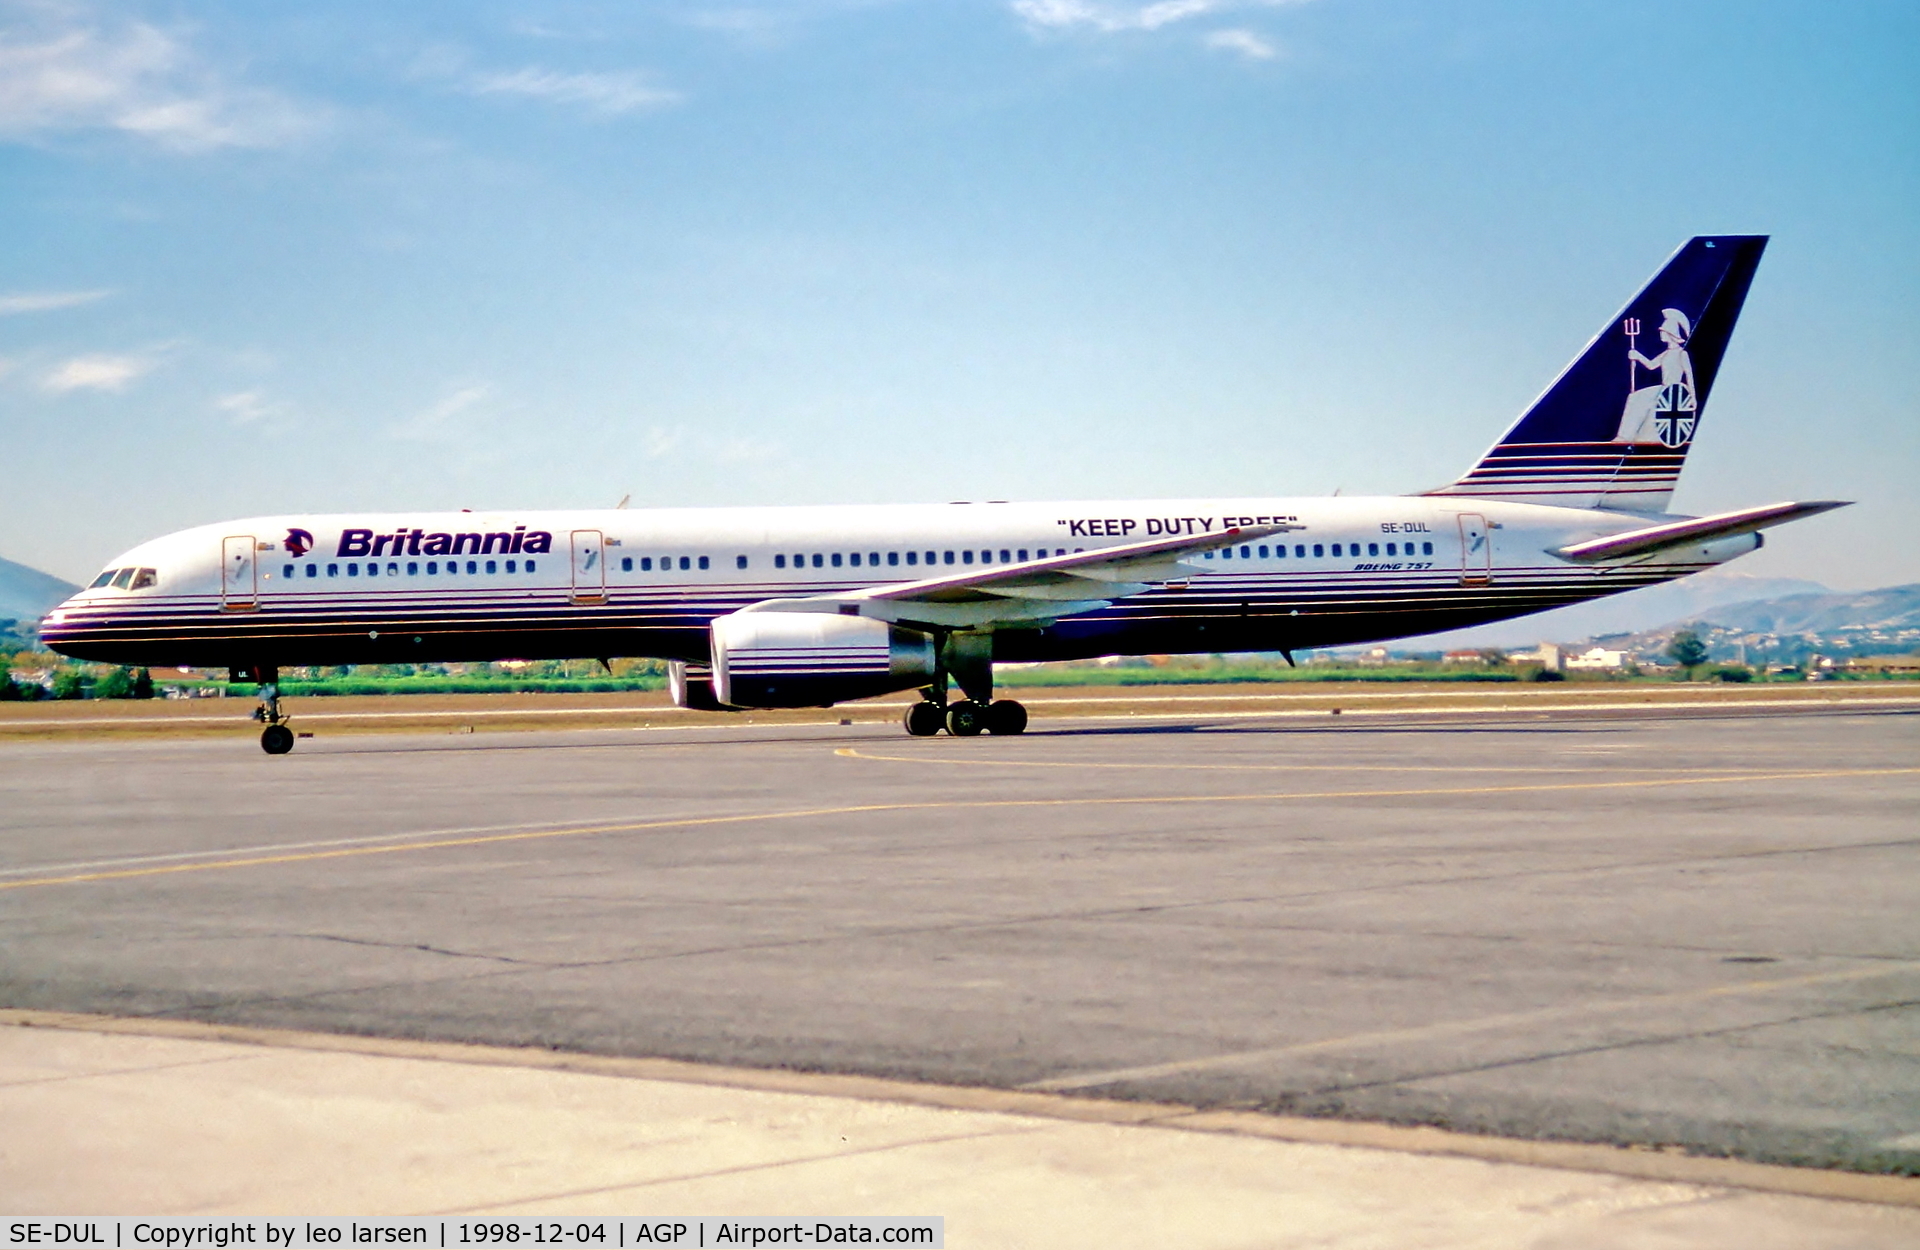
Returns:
(966, 718)
(276, 738)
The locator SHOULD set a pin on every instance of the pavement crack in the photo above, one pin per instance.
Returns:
(419, 946)
(1575, 1052)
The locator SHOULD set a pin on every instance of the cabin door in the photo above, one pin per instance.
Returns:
(589, 567)
(239, 588)
(1476, 550)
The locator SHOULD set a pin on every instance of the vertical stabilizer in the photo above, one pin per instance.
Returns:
(1613, 429)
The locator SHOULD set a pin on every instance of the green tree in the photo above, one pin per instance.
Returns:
(143, 684)
(1687, 651)
(69, 683)
(116, 684)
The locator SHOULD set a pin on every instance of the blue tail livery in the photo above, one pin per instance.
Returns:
(1613, 430)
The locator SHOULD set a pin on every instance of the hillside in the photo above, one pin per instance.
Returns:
(27, 594)
(1790, 628)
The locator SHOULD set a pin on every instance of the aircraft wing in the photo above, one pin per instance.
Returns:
(1029, 592)
(1658, 538)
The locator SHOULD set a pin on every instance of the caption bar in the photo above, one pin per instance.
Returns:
(593, 1234)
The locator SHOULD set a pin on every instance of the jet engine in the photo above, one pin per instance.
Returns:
(809, 659)
(691, 686)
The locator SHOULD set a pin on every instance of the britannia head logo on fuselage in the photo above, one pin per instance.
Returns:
(299, 543)
(1664, 410)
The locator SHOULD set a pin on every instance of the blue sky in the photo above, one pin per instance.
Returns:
(283, 256)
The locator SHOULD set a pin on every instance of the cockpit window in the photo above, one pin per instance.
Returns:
(103, 579)
(123, 578)
(145, 578)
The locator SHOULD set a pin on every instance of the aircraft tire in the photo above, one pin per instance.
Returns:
(276, 739)
(965, 718)
(1004, 716)
(925, 719)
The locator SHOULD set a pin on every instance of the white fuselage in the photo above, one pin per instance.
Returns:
(423, 587)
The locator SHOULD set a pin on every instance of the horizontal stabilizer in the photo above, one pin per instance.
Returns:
(1686, 533)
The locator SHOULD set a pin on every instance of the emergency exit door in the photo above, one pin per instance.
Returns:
(589, 567)
(239, 573)
(1476, 550)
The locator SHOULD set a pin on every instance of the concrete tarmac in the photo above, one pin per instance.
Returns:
(203, 1127)
(1686, 933)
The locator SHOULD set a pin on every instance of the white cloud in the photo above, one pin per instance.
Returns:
(44, 301)
(1245, 42)
(95, 373)
(431, 424)
(1061, 14)
(63, 70)
(245, 408)
(1109, 17)
(608, 95)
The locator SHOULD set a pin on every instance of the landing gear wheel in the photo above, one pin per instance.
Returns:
(276, 739)
(926, 718)
(1004, 716)
(965, 719)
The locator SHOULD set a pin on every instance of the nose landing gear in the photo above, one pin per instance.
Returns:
(276, 738)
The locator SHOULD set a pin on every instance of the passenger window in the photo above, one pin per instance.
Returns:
(686, 562)
(626, 564)
(1226, 553)
(913, 557)
(739, 562)
(966, 557)
(1299, 551)
(1319, 551)
(836, 559)
(491, 568)
(703, 562)
(287, 572)
(1263, 552)
(779, 562)
(333, 570)
(353, 570)
(1389, 548)
(853, 559)
(393, 569)
(373, 569)
(1023, 553)
(873, 559)
(413, 568)
(529, 566)
(646, 564)
(1246, 553)
(930, 559)
(104, 579)
(1206, 555)
(949, 557)
(313, 570)
(1373, 549)
(511, 565)
(819, 561)
(893, 557)
(123, 579)
(472, 566)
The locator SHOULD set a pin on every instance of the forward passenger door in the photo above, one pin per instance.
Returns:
(239, 570)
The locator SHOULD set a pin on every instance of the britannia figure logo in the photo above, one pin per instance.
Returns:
(299, 543)
(1663, 411)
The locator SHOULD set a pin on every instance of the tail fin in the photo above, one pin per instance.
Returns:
(1613, 429)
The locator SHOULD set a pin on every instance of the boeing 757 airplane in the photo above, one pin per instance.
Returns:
(801, 607)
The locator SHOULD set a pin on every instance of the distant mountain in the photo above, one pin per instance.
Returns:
(1632, 612)
(1789, 629)
(27, 594)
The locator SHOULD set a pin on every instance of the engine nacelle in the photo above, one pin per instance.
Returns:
(691, 686)
(811, 659)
